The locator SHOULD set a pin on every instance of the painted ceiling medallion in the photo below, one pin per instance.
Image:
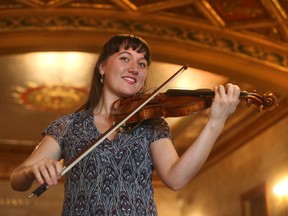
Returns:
(50, 98)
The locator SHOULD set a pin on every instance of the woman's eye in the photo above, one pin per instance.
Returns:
(124, 59)
(142, 65)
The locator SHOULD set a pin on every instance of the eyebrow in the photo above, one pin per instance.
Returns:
(123, 52)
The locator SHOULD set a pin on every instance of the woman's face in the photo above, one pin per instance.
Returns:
(125, 73)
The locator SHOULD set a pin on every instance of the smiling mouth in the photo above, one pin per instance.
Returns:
(130, 79)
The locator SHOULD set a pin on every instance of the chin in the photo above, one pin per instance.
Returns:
(126, 94)
(129, 93)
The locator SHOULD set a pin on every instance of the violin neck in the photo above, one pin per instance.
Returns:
(197, 93)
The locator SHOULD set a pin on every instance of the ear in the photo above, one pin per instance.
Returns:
(102, 69)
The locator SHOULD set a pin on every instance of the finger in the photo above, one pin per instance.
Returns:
(52, 170)
(39, 178)
(222, 91)
(236, 91)
(45, 173)
(216, 91)
(37, 173)
(33, 173)
(230, 90)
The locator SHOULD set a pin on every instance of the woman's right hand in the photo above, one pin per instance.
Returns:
(42, 165)
(45, 171)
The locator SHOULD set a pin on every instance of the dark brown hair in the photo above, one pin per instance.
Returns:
(111, 47)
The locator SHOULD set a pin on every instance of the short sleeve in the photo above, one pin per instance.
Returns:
(58, 129)
(159, 129)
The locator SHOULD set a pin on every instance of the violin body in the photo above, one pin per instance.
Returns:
(177, 103)
(161, 106)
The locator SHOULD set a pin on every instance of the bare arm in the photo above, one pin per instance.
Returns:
(42, 165)
(177, 172)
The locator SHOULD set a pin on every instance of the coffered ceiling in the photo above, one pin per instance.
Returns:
(240, 41)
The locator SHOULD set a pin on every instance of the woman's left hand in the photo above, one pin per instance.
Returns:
(225, 102)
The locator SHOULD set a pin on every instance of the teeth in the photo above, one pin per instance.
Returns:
(130, 79)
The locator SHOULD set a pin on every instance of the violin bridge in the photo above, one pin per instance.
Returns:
(122, 128)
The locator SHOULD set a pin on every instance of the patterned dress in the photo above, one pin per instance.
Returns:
(116, 177)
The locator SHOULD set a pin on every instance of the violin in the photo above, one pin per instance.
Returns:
(179, 102)
(172, 103)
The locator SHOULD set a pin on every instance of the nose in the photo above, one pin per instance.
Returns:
(133, 68)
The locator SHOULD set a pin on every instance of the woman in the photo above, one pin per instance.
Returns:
(116, 177)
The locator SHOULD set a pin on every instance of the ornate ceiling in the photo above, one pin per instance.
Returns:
(240, 41)
(237, 31)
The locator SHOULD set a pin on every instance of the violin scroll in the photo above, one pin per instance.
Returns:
(266, 102)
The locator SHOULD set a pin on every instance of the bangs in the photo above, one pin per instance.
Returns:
(136, 45)
(129, 41)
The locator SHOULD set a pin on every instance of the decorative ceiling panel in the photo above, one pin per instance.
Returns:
(186, 11)
(140, 3)
(96, 4)
(239, 11)
(255, 16)
(269, 31)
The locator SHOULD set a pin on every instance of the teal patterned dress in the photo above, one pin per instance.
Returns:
(116, 177)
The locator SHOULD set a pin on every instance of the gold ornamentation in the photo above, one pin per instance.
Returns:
(50, 98)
